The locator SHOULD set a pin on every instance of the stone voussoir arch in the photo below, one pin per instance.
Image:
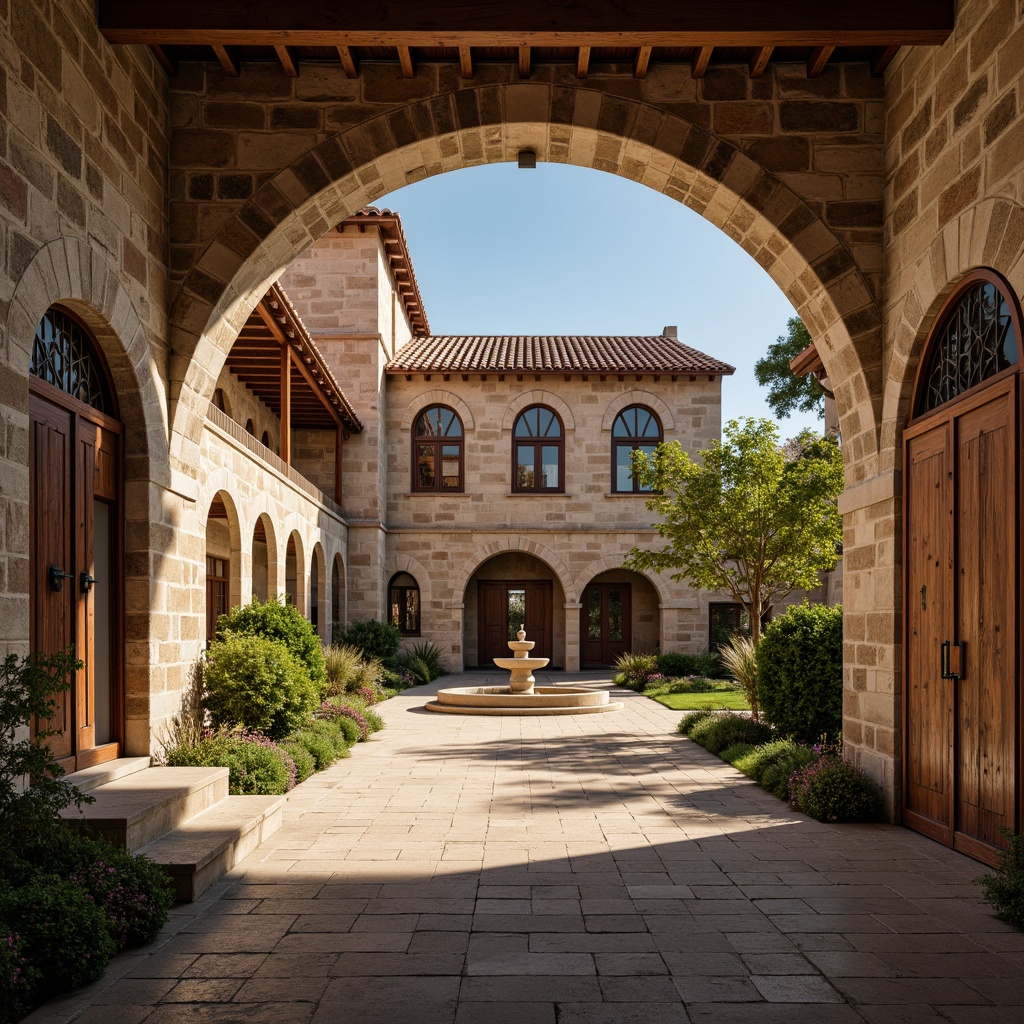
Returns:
(438, 397)
(537, 396)
(490, 123)
(523, 546)
(67, 270)
(989, 234)
(403, 562)
(615, 562)
(639, 397)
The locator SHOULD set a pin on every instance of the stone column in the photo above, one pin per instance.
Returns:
(572, 636)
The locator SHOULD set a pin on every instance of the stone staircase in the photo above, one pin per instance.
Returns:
(181, 818)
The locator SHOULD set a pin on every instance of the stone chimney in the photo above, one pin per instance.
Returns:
(671, 331)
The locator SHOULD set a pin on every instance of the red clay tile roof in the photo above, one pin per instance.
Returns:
(552, 354)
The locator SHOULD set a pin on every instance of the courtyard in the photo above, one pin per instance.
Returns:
(582, 870)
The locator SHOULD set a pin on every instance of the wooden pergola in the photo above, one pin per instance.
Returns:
(277, 361)
(584, 33)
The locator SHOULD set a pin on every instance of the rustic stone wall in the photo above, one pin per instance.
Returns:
(954, 201)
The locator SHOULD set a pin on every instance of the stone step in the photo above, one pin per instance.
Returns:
(88, 779)
(134, 810)
(198, 852)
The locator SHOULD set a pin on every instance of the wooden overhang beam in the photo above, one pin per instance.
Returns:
(408, 23)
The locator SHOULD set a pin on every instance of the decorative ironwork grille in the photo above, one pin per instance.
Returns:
(977, 340)
(63, 356)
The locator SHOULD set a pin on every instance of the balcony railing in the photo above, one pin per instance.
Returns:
(261, 451)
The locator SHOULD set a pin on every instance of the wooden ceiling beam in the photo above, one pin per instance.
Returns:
(882, 59)
(227, 60)
(166, 61)
(760, 61)
(582, 61)
(700, 61)
(530, 22)
(405, 59)
(818, 59)
(465, 62)
(288, 61)
(641, 61)
(348, 61)
(524, 62)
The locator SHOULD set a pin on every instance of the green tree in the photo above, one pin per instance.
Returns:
(744, 517)
(787, 392)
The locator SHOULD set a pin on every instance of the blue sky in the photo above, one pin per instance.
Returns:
(568, 250)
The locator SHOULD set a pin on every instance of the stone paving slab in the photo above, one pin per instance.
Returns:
(595, 869)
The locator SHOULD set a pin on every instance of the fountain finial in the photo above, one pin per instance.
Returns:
(521, 635)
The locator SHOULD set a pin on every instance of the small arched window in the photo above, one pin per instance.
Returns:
(538, 452)
(404, 603)
(250, 428)
(977, 337)
(437, 450)
(636, 429)
(265, 440)
(221, 402)
(63, 355)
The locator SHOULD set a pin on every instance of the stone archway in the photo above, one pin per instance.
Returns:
(577, 125)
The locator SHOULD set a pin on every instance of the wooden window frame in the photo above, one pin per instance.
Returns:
(403, 590)
(213, 584)
(633, 443)
(438, 443)
(538, 443)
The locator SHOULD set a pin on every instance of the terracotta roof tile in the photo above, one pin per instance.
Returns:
(552, 354)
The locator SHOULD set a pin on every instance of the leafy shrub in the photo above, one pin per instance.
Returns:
(333, 733)
(367, 694)
(328, 712)
(722, 730)
(254, 767)
(675, 665)
(373, 721)
(17, 977)
(739, 656)
(761, 758)
(132, 891)
(255, 683)
(64, 934)
(276, 620)
(775, 778)
(429, 657)
(637, 671)
(419, 669)
(319, 747)
(375, 639)
(1004, 891)
(735, 752)
(800, 672)
(829, 789)
(696, 684)
(398, 678)
(305, 764)
(688, 721)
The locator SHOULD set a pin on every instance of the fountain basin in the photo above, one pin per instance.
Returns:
(502, 700)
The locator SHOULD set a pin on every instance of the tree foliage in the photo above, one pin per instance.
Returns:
(788, 393)
(743, 517)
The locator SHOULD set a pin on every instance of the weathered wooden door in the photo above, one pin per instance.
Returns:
(605, 623)
(961, 507)
(506, 605)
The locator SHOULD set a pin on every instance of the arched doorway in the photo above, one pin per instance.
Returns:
(294, 581)
(962, 533)
(264, 576)
(618, 614)
(223, 560)
(317, 591)
(77, 533)
(337, 597)
(508, 591)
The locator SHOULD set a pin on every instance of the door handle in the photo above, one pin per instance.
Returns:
(57, 576)
(945, 657)
(86, 580)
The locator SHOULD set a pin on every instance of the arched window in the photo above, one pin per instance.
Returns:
(538, 451)
(250, 427)
(62, 356)
(221, 402)
(437, 450)
(265, 440)
(976, 339)
(404, 603)
(636, 429)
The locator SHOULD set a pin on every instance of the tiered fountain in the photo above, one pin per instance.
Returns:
(522, 696)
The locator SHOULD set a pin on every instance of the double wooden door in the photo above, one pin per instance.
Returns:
(961, 725)
(504, 606)
(74, 557)
(605, 623)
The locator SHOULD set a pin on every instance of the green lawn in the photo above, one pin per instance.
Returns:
(734, 700)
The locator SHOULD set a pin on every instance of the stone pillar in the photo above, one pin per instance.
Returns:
(572, 636)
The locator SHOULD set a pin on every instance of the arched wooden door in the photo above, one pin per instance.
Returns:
(962, 543)
(76, 534)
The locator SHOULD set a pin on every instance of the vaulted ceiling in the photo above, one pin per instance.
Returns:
(585, 34)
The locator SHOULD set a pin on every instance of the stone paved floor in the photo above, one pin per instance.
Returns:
(582, 870)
